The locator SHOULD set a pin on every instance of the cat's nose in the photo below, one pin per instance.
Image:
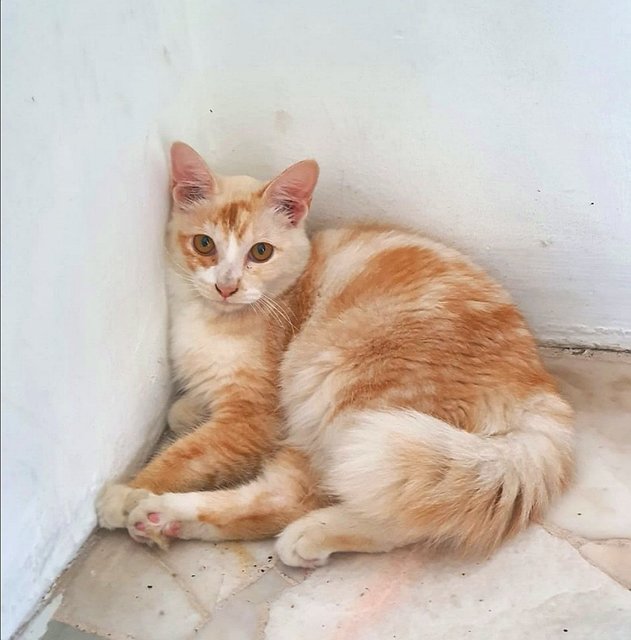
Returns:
(226, 290)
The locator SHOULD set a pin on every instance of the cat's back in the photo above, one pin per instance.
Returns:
(400, 320)
(393, 264)
(377, 283)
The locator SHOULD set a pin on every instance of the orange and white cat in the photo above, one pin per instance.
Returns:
(357, 391)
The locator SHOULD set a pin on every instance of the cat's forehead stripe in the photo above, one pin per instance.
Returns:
(235, 216)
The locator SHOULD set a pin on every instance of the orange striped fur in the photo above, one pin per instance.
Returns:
(360, 390)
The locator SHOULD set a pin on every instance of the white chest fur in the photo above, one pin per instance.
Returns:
(206, 351)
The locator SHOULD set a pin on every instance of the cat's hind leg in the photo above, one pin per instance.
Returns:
(310, 540)
(283, 492)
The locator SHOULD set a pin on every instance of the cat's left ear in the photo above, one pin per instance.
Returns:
(291, 192)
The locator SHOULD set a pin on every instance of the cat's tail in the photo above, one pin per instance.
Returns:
(416, 473)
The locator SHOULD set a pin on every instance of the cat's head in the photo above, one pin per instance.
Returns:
(237, 240)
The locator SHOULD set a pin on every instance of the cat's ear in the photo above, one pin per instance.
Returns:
(191, 179)
(291, 192)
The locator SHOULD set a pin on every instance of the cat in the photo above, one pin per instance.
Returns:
(358, 391)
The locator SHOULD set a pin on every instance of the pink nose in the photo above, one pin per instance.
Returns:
(226, 290)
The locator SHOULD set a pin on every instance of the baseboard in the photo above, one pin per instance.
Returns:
(582, 337)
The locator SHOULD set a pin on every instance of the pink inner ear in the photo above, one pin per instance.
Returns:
(189, 193)
(294, 210)
(291, 192)
(192, 179)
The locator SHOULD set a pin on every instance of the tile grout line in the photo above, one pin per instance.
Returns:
(191, 597)
(288, 579)
(262, 625)
(96, 631)
(576, 542)
(563, 534)
(272, 566)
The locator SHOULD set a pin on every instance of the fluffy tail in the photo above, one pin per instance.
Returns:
(416, 473)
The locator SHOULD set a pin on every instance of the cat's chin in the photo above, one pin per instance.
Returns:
(223, 306)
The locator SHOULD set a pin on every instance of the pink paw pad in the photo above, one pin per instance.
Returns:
(140, 526)
(154, 517)
(172, 529)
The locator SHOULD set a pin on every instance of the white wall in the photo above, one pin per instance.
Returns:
(493, 125)
(84, 371)
(500, 126)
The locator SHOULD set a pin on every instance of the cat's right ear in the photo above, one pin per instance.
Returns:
(191, 179)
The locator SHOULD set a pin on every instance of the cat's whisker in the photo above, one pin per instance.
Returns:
(184, 276)
(255, 308)
(272, 312)
(282, 311)
(178, 270)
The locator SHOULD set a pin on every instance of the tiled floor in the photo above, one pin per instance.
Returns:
(570, 578)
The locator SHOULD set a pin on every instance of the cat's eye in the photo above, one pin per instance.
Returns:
(203, 244)
(261, 251)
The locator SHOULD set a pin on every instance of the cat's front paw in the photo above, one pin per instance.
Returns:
(160, 519)
(154, 521)
(115, 503)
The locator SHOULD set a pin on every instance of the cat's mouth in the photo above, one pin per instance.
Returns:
(238, 301)
(232, 303)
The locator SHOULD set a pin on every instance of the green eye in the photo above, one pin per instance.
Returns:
(203, 244)
(261, 252)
